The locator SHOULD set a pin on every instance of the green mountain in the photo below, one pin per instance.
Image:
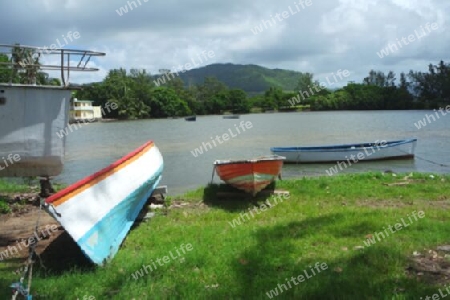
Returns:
(253, 79)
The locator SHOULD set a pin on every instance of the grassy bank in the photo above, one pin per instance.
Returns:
(325, 222)
(6, 189)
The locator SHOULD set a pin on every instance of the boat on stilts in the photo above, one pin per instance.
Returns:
(32, 115)
(33, 110)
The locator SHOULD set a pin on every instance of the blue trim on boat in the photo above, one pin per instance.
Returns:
(122, 217)
(344, 147)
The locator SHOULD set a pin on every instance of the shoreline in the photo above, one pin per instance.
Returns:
(258, 111)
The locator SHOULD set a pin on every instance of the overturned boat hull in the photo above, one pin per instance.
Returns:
(99, 210)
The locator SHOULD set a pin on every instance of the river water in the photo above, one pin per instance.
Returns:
(94, 146)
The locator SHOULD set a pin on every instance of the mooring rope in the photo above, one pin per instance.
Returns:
(433, 162)
(18, 287)
(427, 160)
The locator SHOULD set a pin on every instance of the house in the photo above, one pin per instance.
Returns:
(83, 111)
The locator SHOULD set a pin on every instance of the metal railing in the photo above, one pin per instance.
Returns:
(26, 59)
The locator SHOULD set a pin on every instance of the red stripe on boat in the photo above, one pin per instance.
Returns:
(86, 180)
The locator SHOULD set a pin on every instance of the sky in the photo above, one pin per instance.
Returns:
(321, 37)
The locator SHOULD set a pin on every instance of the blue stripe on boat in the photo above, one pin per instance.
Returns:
(121, 217)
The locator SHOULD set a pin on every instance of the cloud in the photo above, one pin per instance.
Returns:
(320, 38)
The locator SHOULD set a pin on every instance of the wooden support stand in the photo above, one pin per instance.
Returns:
(156, 198)
(160, 190)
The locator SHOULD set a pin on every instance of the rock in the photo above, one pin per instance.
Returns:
(443, 248)
(156, 206)
(149, 215)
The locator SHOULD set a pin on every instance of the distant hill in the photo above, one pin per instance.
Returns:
(253, 79)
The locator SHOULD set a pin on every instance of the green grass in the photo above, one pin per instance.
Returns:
(4, 207)
(321, 222)
(9, 186)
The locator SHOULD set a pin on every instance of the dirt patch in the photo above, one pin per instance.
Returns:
(442, 203)
(18, 230)
(183, 204)
(431, 266)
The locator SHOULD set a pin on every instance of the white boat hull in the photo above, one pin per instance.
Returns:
(99, 210)
(395, 150)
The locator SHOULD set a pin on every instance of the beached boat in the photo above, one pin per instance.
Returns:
(352, 152)
(99, 210)
(231, 116)
(251, 175)
(191, 118)
(34, 118)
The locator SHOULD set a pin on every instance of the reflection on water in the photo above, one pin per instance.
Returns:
(96, 145)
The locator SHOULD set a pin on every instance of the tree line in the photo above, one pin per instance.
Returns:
(380, 91)
(136, 95)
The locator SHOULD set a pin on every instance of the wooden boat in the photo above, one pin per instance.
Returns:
(231, 116)
(34, 118)
(99, 210)
(252, 175)
(362, 151)
(191, 118)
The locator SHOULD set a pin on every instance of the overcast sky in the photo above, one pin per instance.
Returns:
(308, 36)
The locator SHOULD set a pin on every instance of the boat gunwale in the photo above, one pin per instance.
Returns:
(343, 147)
(401, 157)
(254, 160)
(97, 174)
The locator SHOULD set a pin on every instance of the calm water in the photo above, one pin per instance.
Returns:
(94, 146)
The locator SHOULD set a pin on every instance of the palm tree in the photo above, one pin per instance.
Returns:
(25, 64)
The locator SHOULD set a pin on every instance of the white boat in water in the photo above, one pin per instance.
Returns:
(361, 151)
(31, 115)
